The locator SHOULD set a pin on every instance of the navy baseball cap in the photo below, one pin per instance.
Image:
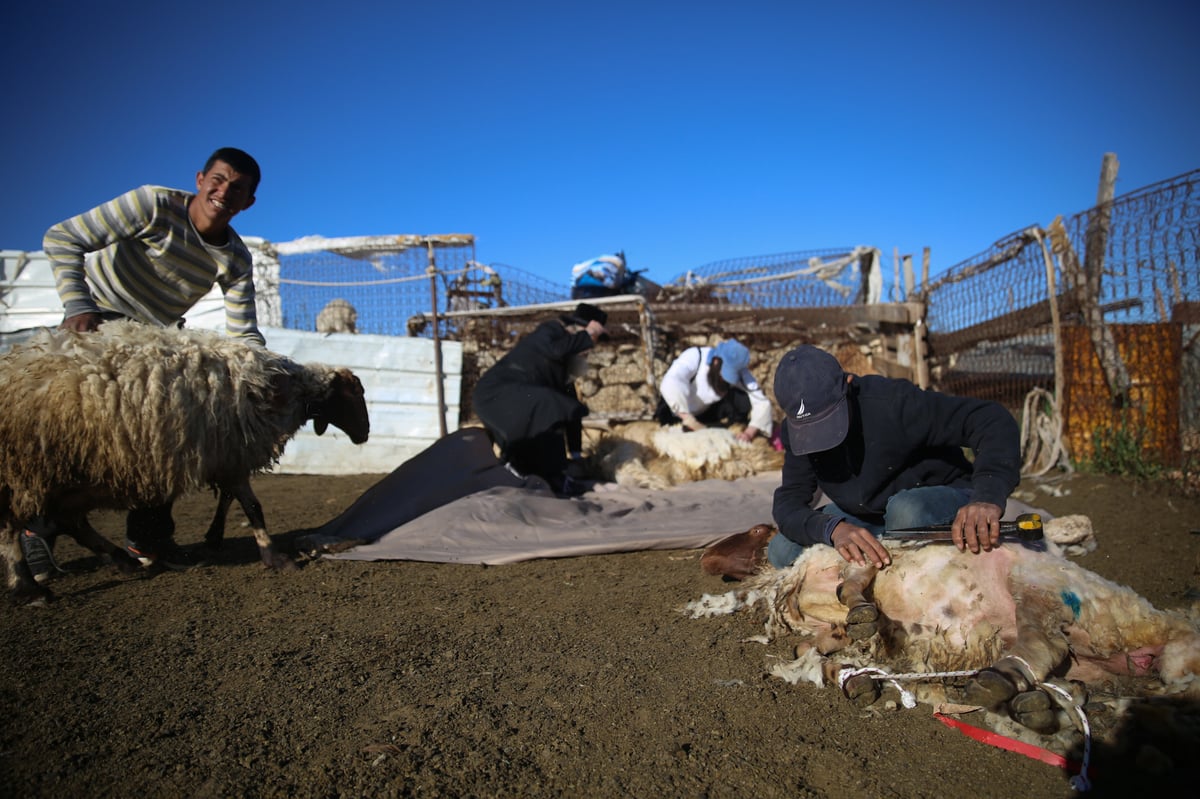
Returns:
(810, 386)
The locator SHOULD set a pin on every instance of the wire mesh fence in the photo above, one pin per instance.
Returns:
(1125, 274)
(383, 279)
(752, 299)
(811, 278)
(386, 281)
(989, 323)
(802, 279)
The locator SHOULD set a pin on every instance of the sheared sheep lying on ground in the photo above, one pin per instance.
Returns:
(648, 455)
(1020, 618)
(135, 416)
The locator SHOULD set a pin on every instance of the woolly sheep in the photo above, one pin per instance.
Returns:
(338, 316)
(136, 416)
(647, 455)
(1017, 617)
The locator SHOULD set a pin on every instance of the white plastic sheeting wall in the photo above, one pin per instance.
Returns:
(399, 377)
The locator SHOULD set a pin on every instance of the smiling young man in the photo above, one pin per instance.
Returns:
(150, 255)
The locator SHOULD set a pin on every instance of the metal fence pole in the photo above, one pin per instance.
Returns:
(431, 270)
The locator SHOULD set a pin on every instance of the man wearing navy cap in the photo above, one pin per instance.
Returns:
(713, 386)
(888, 455)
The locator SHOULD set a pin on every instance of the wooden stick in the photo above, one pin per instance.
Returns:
(1085, 280)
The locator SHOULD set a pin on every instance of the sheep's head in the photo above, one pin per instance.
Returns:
(738, 556)
(344, 407)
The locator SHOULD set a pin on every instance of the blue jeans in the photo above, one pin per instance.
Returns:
(914, 507)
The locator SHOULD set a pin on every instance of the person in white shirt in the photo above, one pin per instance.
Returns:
(713, 387)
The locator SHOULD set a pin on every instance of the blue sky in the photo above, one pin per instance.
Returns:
(680, 132)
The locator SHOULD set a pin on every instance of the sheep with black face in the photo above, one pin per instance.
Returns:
(136, 416)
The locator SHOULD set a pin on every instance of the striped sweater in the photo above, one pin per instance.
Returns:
(149, 263)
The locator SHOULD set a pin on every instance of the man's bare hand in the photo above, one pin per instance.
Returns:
(857, 545)
(977, 526)
(691, 422)
(82, 323)
(748, 434)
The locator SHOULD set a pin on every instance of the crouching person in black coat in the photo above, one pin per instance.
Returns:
(527, 400)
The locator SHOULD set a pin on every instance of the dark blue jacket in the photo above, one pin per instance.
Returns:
(900, 437)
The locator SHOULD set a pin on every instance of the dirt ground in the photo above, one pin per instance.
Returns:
(572, 677)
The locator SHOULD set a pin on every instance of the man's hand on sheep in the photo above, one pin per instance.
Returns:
(976, 526)
(856, 545)
(748, 434)
(691, 422)
(82, 323)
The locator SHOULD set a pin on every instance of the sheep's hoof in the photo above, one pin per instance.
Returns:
(861, 689)
(1033, 709)
(122, 561)
(277, 561)
(314, 545)
(860, 614)
(31, 596)
(862, 622)
(989, 688)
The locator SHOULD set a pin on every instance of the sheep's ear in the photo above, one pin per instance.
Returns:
(320, 425)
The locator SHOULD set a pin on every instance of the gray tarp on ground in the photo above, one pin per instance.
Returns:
(507, 525)
(454, 503)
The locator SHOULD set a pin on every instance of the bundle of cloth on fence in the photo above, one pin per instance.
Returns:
(455, 502)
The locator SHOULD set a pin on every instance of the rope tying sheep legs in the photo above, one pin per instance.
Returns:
(1079, 782)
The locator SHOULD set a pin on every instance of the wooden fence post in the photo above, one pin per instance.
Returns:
(896, 275)
(1085, 281)
(920, 348)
